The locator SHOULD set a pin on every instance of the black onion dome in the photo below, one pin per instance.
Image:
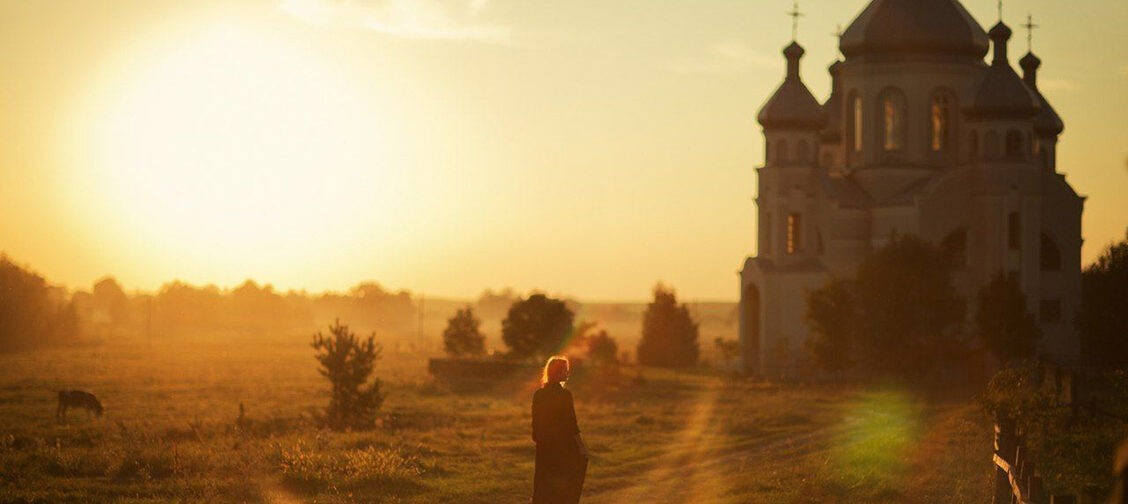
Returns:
(1048, 121)
(914, 27)
(1002, 93)
(792, 105)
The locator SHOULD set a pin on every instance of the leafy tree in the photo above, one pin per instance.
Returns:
(32, 312)
(1103, 319)
(348, 361)
(897, 316)
(907, 308)
(832, 319)
(602, 349)
(462, 336)
(669, 333)
(1002, 321)
(537, 326)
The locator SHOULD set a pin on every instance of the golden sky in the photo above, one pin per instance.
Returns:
(446, 146)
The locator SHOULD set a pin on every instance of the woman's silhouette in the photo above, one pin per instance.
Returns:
(561, 455)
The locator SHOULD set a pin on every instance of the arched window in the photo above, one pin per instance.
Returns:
(940, 121)
(973, 146)
(794, 233)
(892, 115)
(803, 152)
(855, 122)
(1050, 254)
(1014, 145)
(781, 152)
(991, 145)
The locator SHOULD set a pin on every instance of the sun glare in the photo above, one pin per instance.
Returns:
(237, 142)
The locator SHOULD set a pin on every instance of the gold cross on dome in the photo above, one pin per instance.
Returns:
(795, 15)
(1030, 26)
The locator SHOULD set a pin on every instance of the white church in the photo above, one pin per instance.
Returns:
(920, 135)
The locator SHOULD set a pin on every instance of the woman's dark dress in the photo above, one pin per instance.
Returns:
(560, 469)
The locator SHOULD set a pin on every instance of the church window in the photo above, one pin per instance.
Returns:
(1049, 254)
(1014, 145)
(794, 233)
(954, 247)
(1049, 311)
(1014, 231)
(940, 121)
(803, 152)
(856, 123)
(781, 152)
(892, 121)
(991, 145)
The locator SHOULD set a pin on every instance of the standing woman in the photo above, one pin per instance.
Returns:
(561, 454)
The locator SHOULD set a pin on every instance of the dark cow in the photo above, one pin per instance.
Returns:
(77, 399)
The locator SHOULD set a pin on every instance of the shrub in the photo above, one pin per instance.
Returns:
(348, 362)
(537, 327)
(669, 333)
(602, 349)
(1002, 321)
(462, 336)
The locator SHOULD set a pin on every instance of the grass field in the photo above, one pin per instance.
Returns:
(169, 434)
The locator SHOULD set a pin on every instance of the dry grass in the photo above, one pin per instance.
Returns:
(170, 434)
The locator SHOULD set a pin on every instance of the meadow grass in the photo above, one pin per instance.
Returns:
(170, 433)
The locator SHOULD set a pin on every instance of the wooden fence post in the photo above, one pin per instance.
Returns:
(1004, 448)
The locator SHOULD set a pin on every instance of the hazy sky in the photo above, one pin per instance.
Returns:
(581, 147)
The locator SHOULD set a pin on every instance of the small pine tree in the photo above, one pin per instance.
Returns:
(348, 362)
(462, 336)
(669, 333)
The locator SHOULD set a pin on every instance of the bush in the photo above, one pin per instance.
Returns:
(348, 362)
(1002, 321)
(1103, 319)
(462, 336)
(669, 333)
(537, 327)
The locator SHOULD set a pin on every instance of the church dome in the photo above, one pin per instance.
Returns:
(792, 105)
(914, 27)
(1002, 93)
(1048, 121)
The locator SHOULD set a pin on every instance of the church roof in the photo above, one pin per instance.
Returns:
(792, 105)
(1048, 121)
(846, 192)
(913, 27)
(1001, 92)
(832, 131)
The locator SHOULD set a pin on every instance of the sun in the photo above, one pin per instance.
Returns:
(239, 150)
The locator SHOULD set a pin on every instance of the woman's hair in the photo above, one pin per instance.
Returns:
(555, 370)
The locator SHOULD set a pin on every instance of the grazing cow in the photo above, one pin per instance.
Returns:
(77, 399)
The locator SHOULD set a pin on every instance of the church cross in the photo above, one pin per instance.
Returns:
(1030, 26)
(1000, 11)
(838, 35)
(795, 15)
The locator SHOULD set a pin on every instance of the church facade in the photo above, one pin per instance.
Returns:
(920, 135)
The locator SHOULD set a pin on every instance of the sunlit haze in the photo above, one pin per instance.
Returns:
(587, 148)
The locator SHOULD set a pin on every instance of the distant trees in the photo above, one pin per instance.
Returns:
(1002, 321)
(111, 303)
(462, 336)
(537, 326)
(1103, 319)
(348, 362)
(729, 349)
(32, 313)
(669, 333)
(897, 316)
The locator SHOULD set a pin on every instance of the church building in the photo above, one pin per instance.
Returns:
(920, 135)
